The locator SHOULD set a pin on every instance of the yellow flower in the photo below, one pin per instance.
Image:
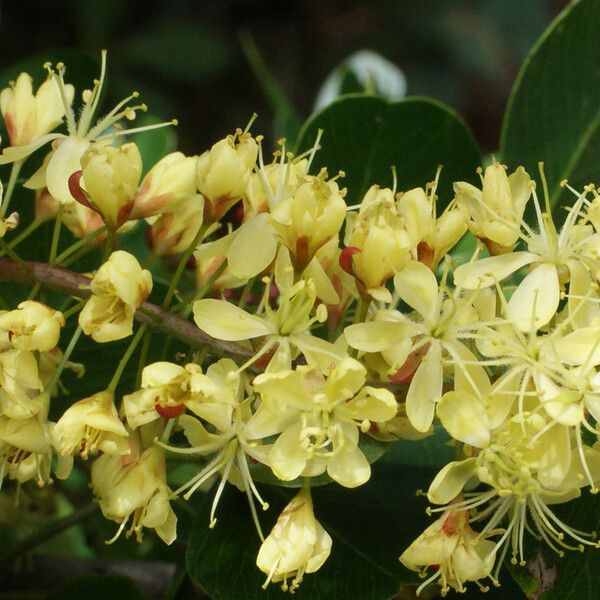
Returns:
(555, 257)
(33, 326)
(309, 217)
(165, 388)
(219, 399)
(88, 426)
(285, 329)
(223, 172)
(496, 211)
(174, 230)
(414, 346)
(65, 157)
(119, 287)
(109, 180)
(20, 384)
(302, 213)
(171, 180)
(28, 117)
(135, 490)
(319, 419)
(455, 552)
(431, 236)
(25, 452)
(297, 545)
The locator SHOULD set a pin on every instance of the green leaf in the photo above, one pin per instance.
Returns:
(368, 525)
(553, 114)
(365, 136)
(98, 587)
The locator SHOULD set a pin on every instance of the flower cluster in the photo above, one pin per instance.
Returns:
(354, 323)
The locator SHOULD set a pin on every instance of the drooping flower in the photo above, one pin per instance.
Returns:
(25, 450)
(455, 552)
(297, 545)
(135, 492)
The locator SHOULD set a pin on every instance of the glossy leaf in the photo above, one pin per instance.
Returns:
(365, 136)
(553, 114)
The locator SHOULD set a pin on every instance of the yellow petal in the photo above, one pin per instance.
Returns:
(224, 321)
(377, 336)
(464, 418)
(536, 299)
(253, 248)
(486, 271)
(417, 286)
(425, 389)
(449, 482)
(349, 468)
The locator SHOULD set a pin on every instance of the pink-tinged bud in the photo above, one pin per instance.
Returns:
(30, 117)
(170, 181)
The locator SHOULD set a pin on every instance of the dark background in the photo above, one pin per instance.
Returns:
(186, 60)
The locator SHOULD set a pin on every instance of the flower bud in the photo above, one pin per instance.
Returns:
(298, 544)
(28, 117)
(119, 287)
(223, 172)
(109, 180)
(174, 231)
(11, 222)
(169, 181)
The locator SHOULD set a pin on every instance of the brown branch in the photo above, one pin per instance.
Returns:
(69, 283)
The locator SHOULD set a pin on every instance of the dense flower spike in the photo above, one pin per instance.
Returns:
(304, 335)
